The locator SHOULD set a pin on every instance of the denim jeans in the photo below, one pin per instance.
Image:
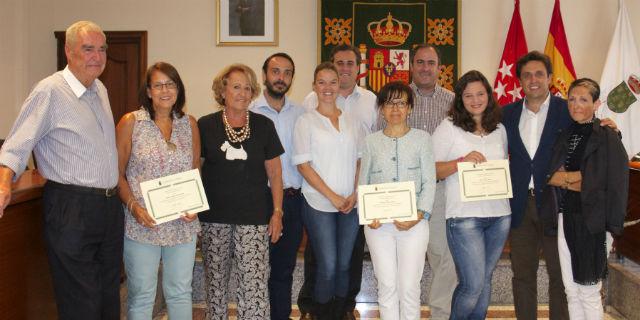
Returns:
(476, 245)
(141, 263)
(332, 236)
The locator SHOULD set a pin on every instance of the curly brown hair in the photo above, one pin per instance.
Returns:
(220, 81)
(462, 118)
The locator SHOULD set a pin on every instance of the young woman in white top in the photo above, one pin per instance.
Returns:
(326, 150)
(476, 230)
(398, 249)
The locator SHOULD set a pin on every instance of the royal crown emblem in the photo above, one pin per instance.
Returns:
(389, 32)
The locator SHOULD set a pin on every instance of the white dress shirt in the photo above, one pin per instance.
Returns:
(531, 125)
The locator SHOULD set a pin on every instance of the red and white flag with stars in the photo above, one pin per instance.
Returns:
(507, 88)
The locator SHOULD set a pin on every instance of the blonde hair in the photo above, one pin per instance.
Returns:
(220, 81)
(71, 35)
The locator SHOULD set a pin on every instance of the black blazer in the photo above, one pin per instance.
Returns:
(605, 182)
(520, 163)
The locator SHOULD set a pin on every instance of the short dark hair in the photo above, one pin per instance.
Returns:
(534, 56)
(395, 90)
(346, 47)
(324, 66)
(265, 65)
(589, 84)
(461, 117)
(417, 47)
(171, 72)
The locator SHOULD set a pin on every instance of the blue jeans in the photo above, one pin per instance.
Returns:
(141, 262)
(476, 245)
(332, 236)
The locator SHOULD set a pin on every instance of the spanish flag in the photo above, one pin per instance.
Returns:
(557, 48)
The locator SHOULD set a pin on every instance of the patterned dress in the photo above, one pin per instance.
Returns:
(152, 157)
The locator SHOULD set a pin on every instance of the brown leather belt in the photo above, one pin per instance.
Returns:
(291, 192)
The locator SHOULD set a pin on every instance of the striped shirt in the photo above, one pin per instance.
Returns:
(428, 110)
(70, 128)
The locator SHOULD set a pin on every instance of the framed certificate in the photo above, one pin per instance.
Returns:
(170, 197)
(485, 181)
(387, 202)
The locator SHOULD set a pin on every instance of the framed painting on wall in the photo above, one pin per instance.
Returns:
(247, 22)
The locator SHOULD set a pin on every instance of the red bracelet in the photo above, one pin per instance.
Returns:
(461, 159)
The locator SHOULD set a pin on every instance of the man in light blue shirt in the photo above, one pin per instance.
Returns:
(277, 75)
(67, 121)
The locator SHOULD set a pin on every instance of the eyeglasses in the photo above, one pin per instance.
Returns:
(169, 85)
(400, 104)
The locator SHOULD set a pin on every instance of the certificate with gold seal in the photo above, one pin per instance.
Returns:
(169, 197)
(489, 180)
(387, 202)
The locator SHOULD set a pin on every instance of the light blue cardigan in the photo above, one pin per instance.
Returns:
(408, 158)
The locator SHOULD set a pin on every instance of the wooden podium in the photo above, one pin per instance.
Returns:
(26, 291)
(628, 244)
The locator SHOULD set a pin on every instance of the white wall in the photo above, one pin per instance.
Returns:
(9, 62)
(183, 33)
(588, 24)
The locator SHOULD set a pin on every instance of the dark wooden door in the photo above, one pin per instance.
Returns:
(126, 66)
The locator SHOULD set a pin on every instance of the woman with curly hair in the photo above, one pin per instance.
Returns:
(241, 152)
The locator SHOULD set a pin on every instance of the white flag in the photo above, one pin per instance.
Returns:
(620, 84)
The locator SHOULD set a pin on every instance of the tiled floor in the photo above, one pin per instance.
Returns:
(370, 311)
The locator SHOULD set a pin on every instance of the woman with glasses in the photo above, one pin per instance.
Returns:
(476, 230)
(157, 140)
(398, 249)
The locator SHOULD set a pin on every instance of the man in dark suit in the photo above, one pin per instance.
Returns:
(532, 126)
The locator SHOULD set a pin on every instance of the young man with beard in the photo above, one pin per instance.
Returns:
(360, 104)
(277, 76)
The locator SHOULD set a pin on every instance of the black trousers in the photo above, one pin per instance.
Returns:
(305, 297)
(526, 242)
(84, 234)
(283, 254)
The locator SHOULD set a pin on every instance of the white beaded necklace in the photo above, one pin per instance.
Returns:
(233, 135)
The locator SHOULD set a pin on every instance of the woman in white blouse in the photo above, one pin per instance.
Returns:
(326, 152)
(398, 249)
(476, 230)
